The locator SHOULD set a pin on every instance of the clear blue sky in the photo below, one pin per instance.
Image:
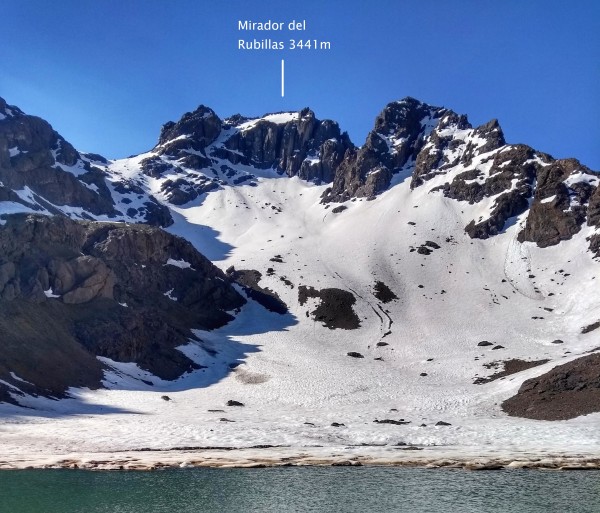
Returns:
(108, 73)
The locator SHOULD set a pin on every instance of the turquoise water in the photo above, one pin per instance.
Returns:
(314, 489)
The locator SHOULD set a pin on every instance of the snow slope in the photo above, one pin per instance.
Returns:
(293, 374)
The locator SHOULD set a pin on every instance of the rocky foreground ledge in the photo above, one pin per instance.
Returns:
(467, 458)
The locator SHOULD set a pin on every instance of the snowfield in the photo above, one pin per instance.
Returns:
(293, 374)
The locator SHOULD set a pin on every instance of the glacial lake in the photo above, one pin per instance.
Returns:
(305, 489)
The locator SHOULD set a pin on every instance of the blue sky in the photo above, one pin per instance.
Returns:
(108, 73)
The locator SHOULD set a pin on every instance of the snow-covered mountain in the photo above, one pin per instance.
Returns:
(42, 173)
(422, 277)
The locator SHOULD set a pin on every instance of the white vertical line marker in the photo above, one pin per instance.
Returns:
(282, 78)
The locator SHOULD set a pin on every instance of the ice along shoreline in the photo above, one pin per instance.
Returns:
(264, 456)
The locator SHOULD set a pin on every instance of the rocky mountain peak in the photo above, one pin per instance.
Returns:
(8, 111)
(198, 128)
(201, 152)
(399, 134)
(429, 146)
(402, 118)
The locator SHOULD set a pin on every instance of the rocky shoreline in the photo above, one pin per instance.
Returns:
(262, 457)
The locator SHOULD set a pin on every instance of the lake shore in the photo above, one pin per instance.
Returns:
(260, 456)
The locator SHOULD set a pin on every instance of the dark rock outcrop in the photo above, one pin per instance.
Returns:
(590, 327)
(335, 307)
(399, 134)
(181, 191)
(510, 179)
(382, 292)
(401, 422)
(195, 130)
(564, 189)
(565, 392)
(249, 279)
(451, 142)
(354, 354)
(71, 291)
(301, 146)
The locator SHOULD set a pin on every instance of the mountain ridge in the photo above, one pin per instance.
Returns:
(409, 137)
(201, 152)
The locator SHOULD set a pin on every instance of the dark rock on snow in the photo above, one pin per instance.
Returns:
(354, 354)
(590, 327)
(382, 292)
(335, 307)
(400, 422)
(565, 392)
(249, 280)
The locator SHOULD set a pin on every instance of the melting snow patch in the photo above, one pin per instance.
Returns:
(78, 169)
(537, 160)
(178, 138)
(91, 186)
(14, 376)
(12, 387)
(281, 118)
(49, 293)
(127, 376)
(168, 294)
(548, 200)
(278, 119)
(26, 194)
(182, 264)
(12, 207)
(579, 177)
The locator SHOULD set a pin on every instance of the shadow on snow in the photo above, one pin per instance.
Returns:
(218, 353)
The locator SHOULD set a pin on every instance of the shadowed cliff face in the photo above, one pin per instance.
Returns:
(70, 291)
